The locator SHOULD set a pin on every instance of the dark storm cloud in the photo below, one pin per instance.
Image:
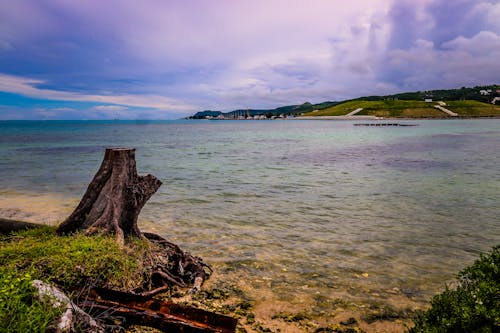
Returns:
(441, 44)
(451, 19)
(404, 25)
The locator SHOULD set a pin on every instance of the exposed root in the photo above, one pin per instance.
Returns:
(170, 266)
(155, 292)
(167, 278)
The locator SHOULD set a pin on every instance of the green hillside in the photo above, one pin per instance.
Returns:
(408, 109)
(473, 108)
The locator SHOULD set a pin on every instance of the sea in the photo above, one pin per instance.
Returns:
(298, 213)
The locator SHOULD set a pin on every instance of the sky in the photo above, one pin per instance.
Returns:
(166, 59)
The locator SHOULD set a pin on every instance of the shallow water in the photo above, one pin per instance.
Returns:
(293, 208)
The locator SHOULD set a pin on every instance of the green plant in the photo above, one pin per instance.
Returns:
(71, 262)
(20, 311)
(472, 306)
(75, 260)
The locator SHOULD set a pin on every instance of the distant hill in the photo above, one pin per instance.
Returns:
(283, 110)
(466, 102)
(205, 114)
(410, 109)
(479, 93)
(475, 101)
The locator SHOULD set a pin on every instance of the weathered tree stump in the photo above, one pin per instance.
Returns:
(112, 203)
(114, 198)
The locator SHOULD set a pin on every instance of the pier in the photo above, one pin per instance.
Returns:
(385, 124)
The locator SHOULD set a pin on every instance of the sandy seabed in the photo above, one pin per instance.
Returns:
(51, 209)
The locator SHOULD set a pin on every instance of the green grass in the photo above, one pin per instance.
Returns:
(337, 110)
(71, 262)
(472, 306)
(473, 108)
(19, 311)
(408, 109)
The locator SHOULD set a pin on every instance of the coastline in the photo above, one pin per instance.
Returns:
(224, 295)
(350, 118)
(256, 301)
(269, 309)
(390, 118)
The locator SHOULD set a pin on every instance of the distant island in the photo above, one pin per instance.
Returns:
(479, 101)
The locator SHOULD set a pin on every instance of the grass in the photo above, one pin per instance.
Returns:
(19, 311)
(472, 306)
(71, 262)
(409, 109)
(473, 108)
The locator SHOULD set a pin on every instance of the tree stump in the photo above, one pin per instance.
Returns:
(112, 203)
(114, 198)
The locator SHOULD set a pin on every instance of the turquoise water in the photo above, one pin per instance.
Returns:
(293, 207)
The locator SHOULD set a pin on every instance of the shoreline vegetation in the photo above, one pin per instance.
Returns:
(76, 262)
(477, 102)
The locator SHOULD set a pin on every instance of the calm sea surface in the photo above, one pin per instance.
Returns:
(290, 208)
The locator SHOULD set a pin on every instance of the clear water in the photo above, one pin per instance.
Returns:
(293, 207)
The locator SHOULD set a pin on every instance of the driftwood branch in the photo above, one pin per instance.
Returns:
(166, 316)
(72, 316)
(7, 226)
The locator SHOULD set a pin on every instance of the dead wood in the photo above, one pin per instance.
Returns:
(72, 315)
(156, 291)
(7, 226)
(166, 316)
(114, 197)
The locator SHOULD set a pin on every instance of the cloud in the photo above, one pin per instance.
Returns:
(485, 43)
(109, 108)
(9, 112)
(46, 114)
(199, 54)
(450, 19)
(27, 87)
(63, 110)
(5, 45)
(230, 42)
(461, 61)
(440, 44)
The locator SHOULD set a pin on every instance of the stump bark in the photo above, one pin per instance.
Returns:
(112, 203)
(114, 198)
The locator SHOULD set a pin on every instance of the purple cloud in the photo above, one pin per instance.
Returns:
(441, 44)
(198, 54)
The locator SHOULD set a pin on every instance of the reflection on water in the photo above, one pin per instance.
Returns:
(294, 210)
